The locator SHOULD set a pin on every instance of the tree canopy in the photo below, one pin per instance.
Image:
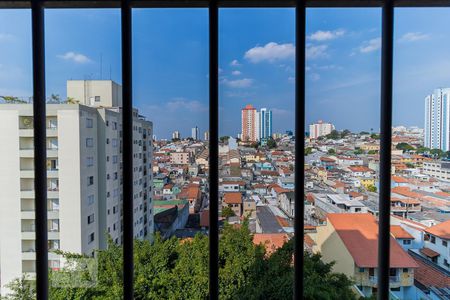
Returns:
(178, 269)
(404, 147)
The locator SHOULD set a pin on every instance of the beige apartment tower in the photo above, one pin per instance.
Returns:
(84, 171)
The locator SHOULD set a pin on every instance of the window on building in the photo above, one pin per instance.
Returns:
(91, 238)
(90, 199)
(90, 219)
(89, 161)
(89, 123)
(90, 180)
(89, 142)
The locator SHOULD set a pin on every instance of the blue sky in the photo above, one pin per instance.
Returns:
(170, 66)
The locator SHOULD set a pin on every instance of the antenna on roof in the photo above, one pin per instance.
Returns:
(110, 77)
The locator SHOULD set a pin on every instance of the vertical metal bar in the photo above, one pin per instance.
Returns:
(40, 151)
(300, 35)
(385, 148)
(127, 128)
(213, 150)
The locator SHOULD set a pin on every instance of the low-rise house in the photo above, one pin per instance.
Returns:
(403, 206)
(351, 240)
(249, 208)
(231, 186)
(437, 244)
(404, 238)
(234, 201)
(286, 202)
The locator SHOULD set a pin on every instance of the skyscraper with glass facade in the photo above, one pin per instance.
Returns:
(265, 127)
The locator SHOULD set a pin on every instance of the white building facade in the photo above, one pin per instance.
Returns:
(437, 120)
(320, 129)
(84, 171)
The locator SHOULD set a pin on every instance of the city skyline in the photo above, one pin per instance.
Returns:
(342, 65)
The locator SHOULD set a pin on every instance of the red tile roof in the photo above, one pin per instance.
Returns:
(429, 252)
(359, 233)
(429, 276)
(441, 230)
(399, 179)
(399, 233)
(271, 241)
(232, 198)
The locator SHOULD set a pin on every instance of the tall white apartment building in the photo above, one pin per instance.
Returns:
(320, 129)
(195, 133)
(437, 120)
(176, 134)
(84, 170)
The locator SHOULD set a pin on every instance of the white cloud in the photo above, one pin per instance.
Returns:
(313, 52)
(238, 83)
(270, 52)
(75, 57)
(370, 46)
(235, 63)
(320, 36)
(184, 104)
(413, 37)
(291, 79)
(236, 73)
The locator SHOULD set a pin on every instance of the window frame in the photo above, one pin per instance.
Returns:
(39, 121)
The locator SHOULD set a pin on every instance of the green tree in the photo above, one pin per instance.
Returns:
(271, 143)
(54, 98)
(21, 289)
(372, 188)
(331, 151)
(345, 133)
(421, 150)
(375, 136)
(174, 269)
(12, 99)
(372, 152)
(227, 212)
(358, 151)
(404, 146)
(224, 139)
(364, 133)
(437, 153)
(410, 165)
(71, 100)
(334, 135)
(308, 150)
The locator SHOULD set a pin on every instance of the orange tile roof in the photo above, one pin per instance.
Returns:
(399, 233)
(309, 241)
(441, 230)
(359, 233)
(405, 191)
(360, 169)
(232, 198)
(399, 179)
(271, 241)
(429, 252)
(282, 221)
(429, 276)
